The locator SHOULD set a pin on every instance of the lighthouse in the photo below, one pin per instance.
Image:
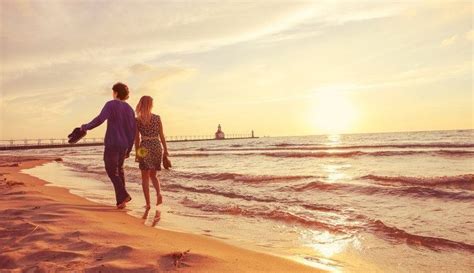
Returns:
(219, 134)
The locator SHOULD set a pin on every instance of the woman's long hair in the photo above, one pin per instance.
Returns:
(143, 109)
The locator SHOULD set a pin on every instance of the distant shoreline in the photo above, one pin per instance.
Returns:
(53, 146)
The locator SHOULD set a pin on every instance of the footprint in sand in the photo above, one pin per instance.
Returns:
(49, 256)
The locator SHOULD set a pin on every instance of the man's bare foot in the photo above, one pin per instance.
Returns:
(124, 203)
(159, 199)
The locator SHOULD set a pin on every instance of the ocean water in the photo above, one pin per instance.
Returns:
(389, 202)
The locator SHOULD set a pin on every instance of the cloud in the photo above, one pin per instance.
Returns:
(158, 78)
(470, 35)
(449, 41)
(37, 33)
(59, 32)
(419, 75)
(140, 68)
(62, 45)
(34, 108)
(407, 78)
(327, 14)
(58, 78)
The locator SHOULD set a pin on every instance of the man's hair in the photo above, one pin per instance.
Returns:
(122, 90)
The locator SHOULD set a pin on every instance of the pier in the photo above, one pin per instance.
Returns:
(26, 144)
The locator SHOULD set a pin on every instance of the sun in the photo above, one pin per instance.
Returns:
(333, 112)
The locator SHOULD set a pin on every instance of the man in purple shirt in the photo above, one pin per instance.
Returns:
(119, 138)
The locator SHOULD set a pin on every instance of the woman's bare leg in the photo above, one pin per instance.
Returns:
(156, 184)
(146, 186)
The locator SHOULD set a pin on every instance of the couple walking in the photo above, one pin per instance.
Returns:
(123, 131)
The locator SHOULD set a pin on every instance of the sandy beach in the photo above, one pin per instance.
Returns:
(48, 229)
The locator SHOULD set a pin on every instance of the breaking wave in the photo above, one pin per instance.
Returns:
(465, 181)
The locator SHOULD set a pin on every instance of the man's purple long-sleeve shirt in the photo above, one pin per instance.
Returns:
(121, 124)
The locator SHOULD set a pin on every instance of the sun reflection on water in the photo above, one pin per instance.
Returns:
(334, 172)
(334, 139)
(327, 246)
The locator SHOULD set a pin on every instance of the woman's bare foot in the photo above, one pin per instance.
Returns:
(145, 214)
(159, 199)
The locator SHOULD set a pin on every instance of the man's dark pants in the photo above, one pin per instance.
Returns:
(113, 159)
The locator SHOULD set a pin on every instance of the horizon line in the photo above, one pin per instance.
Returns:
(268, 136)
(379, 132)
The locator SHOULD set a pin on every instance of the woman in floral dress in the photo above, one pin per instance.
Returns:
(150, 146)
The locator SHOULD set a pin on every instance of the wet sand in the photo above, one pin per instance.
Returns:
(49, 229)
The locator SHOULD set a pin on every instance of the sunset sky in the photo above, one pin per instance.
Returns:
(278, 67)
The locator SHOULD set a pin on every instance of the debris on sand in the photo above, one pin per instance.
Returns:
(178, 257)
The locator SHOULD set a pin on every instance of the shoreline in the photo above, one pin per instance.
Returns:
(49, 228)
